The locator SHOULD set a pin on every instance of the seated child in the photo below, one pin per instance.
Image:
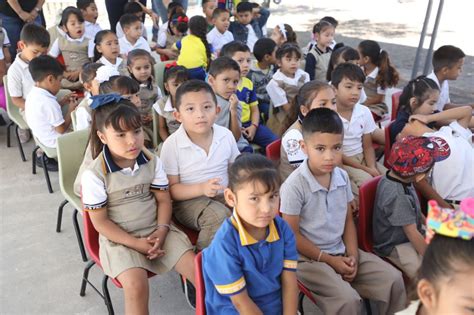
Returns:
(177, 28)
(89, 12)
(129, 204)
(311, 44)
(75, 47)
(446, 274)
(42, 111)
(252, 129)
(238, 274)
(379, 75)
(448, 62)
(283, 33)
(173, 77)
(132, 27)
(261, 72)
(317, 59)
(397, 218)
(313, 94)
(136, 9)
(208, 7)
(83, 111)
(107, 51)
(196, 158)
(358, 152)
(245, 28)
(284, 86)
(127, 88)
(5, 45)
(194, 50)
(219, 34)
(315, 202)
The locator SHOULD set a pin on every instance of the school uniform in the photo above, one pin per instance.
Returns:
(235, 261)
(19, 78)
(55, 32)
(120, 65)
(149, 92)
(83, 113)
(91, 29)
(216, 39)
(322, 214)
(443, 92)
(126, 46)
(127, 196)
(291, 155)
(317, 63)
(192, 56)
(372, 89)
(260, 78)
(167, 40)
(181, 157)
(165, 109)
(120, 33)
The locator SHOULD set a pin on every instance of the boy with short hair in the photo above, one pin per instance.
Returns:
(262, 71)
(252, 129)
(359, 155)
(137, 9)
(133, 39)
(219, 35)
(397, 219)
(247, 29)
(196, 158)
(43, 112)
(89, 12)
(315, 201)
(448, 62)
(208, 7)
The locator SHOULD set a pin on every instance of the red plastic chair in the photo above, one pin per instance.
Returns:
(200, 288)
(272, 150)
(366, 206)
(395, 103)
(304, 291)
(388, 146)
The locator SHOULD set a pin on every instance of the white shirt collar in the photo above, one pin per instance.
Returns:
(184, 140)
(105, 62)
(168, 106)
(43, 92)
(79, 40)
(356, 112)
(433, 77)
(23, 64)
(374, 73)
(281, 76)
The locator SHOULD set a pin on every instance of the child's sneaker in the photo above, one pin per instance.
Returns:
(51, 164)
(189, 292)
(24, 135)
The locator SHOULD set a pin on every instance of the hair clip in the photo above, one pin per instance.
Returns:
(282, 28)
(182, 19)
(105, 99)
(170, 65)
(104, 73)
(457, 223)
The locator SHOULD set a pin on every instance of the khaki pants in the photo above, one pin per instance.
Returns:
(375, 280)
(358, 176)
(405, 257)
(203, 214)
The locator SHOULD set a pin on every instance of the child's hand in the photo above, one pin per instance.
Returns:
(352, 261)
(212, 187)
(421, 118)
(142, 245)
(354, 208)
(146, 119)
(249, 132)
(342, 265)
(67, 98)
(172, 54)
(155, 251)
(234, 102)
(373, 171)
(72, 75)
(73, 102)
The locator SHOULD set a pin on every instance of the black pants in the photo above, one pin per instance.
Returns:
(115, 10)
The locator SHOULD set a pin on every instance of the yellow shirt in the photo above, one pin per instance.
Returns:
(247, 97)
(192, 52)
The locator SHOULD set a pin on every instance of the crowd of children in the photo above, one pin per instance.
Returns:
(225, 91)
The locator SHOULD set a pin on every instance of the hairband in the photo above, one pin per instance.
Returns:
(171, 65)
(380, 51)
(457, 223)
(282, 28)
(181, 19)
(105, 99)
(104, 73)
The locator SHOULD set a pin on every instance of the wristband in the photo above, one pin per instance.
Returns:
(163, 225)
(320, 255)
(37, 9)
(256, 126)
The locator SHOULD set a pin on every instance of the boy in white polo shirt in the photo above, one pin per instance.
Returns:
(219, 35)
(359, 155)
(133, 28)
(42, 110)
(196, 158)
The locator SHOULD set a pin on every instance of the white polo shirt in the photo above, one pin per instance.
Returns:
(19, 77)
(43, 114)
(126, 46)
(361, 123)
(373, 75)
(168, 107)
(216, 39)
(115, 66)
(277, 94)
(162, 32)
(54, 51)
(443, 92)
(190, 162)
(120, 33)
(91, 29)
(251, 37)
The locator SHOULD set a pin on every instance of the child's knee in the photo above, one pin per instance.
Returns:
(134, 281)
(214, 214)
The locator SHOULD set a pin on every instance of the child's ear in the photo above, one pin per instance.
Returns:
(229, 197)
(177, 115)
(304, 110)
(166, 86)
(87, 86)
(21, 45)
(413, 102)
(218, 109)
(303, 147)
(102, 137)
(211, 80)
(427, 294)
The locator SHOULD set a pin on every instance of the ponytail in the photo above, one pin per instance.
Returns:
(388, 75)
(418, 88)
(198, 27)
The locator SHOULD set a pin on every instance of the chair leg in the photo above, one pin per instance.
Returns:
(78, 235)
(33, 159)
(60, 215)
(9, 144)
(85, 277)
(46, 173)
(300, 303)
(20, 146)
(107, 299)
(367, 307)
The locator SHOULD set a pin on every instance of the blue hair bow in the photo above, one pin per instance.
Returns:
(105, 99)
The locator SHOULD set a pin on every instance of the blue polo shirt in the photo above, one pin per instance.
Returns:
(236, 261)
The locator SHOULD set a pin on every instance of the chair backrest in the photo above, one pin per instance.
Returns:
(160, 72)
(91, 237)
(156, 135)
(12, 110)
(395, 103)
(200, 289)
(273, 150)
(71, 149)
(74, 120)
(388, 146)
(50, 152)
(366, 207)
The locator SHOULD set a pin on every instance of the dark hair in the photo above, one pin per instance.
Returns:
(418, 88)
(42, 66)
(128, 19)
(139, 53)
(107, 87)
(229, 49)
(288, 49)
(97, 40)
(347, 53)
(68, 12)
(132, 8)
(33, 34)
(198, 27)
(263, 46)
(181, 26)
(322, 120)
(89, 71)
(193, 86)
(331, 20)
(321, 26)
(388, 75)
(219, 11)
(252, 168)
(122, 116)
(290, 34)
(203, 2)
(173, 8)
(222, 64)
(125, 85)
(446, 56)
(83, 4)
(178, 73)
(349, 71)
(244, 7)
